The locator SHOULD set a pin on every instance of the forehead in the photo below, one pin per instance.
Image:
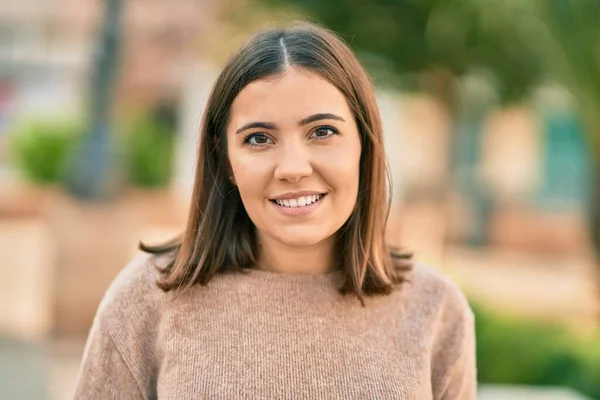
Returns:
(289, 97)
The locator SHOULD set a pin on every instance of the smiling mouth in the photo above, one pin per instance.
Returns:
(301, 201)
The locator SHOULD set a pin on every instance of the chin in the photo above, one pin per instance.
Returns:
(302, 241)
(301, 238)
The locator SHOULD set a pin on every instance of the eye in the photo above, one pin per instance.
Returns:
(324, 132)
(257, 139)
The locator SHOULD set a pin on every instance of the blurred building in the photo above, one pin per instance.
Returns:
(46, 49)
(46, 53)
(515, 177)
(525, 171)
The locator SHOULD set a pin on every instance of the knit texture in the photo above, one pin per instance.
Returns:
(263, 335)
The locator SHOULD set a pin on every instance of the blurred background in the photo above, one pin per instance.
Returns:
(491, 112)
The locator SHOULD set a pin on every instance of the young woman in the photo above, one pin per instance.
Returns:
(281, 286)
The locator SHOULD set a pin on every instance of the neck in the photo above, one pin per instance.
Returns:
(275, 256)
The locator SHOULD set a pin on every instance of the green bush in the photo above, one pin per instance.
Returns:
(149, 147)
(524, 352)
(39, 149)
(588, 379)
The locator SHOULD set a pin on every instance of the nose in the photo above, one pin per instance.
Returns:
(293, 162)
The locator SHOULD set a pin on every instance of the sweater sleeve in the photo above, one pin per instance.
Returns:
(104, 373)
(119, 360)
(454, 372)
(461, 381)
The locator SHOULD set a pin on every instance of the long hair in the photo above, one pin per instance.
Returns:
(220, 236)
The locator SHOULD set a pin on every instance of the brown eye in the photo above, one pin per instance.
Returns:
(324, 132)
(257, 139)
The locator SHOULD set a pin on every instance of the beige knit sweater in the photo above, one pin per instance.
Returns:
(265, 335)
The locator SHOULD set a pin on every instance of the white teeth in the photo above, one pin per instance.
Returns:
(300, 201)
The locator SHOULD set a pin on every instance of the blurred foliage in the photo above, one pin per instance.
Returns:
(42, 149)
(149, 151)
(437, 37)
(525, 352)
(39, 149)
(568, 33)
(520, 43)
(587, 380)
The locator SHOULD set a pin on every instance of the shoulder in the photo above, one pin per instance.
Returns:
(436, 293)
(122, 339)
(441, 309)
(436, 306)
(445, 315)
(133, 295)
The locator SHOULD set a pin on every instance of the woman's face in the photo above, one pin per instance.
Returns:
(294, 149)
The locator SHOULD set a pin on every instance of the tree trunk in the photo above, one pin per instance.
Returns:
(92, 172)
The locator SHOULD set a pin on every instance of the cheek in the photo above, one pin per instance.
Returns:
(341, 169)
(251, 177)
(346, 182)
(243, 166)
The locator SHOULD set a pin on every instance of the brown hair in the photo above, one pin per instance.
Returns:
(220, 236)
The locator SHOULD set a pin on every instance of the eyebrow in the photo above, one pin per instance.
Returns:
(319, 117)
(251, 125)
(305, 121)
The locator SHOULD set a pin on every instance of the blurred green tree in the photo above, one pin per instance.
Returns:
(425, 44)
(568, 36)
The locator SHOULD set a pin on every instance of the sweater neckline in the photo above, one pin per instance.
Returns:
(326, 279)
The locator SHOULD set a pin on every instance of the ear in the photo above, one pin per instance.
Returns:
(232, 180)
